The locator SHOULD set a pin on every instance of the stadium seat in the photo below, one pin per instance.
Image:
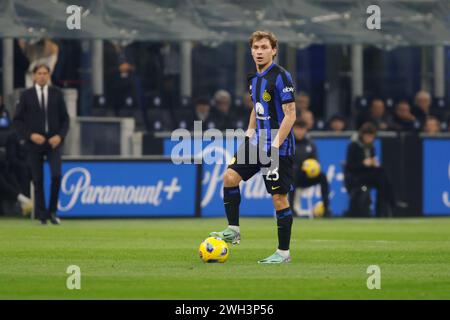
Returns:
(361, 103)
(389, 103)
(159, 120)
(184, 118)
(439, 103)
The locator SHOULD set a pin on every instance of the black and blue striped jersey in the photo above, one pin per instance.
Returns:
(270, 90)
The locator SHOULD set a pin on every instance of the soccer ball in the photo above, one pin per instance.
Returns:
(214, 249)
(311, 167)
(319, 209)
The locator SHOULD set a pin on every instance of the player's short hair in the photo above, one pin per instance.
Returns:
(41, 65)
(258, 35)
(367, 128)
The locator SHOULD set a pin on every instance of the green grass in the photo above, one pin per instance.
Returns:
(158, 259)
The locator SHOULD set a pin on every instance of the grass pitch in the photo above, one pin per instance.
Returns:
(158, 259)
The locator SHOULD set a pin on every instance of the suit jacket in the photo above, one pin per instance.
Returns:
(29, 116)
(356, 154)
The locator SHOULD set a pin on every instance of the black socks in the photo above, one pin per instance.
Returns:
(284, 223)
(232, 200)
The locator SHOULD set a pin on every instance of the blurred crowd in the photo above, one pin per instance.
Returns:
(142, 80)
(223, 112)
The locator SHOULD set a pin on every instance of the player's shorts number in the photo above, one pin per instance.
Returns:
(273, 175)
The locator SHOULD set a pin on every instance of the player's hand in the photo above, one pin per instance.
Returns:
(37, 138)
(274, 155)
(54, 141)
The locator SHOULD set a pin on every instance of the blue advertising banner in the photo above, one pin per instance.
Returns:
(255, 199)
(126, 189)
(436, 177)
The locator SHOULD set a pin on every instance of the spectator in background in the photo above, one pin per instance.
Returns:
(204, 114)
(337, 123)
(222, 103)
(302, 102)
(422, 107)
(308, 117)
(376, 114)
(243, 111)
(123, 83)
(432, 125)
(44, 51)
(403, 119)
(305, 148)
(10, 188)
(171, 74)
(16, 152)
(247, 106)
(363, 169)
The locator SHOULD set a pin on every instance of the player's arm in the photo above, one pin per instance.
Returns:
(286, 124)
(285, 87)
(251, 125)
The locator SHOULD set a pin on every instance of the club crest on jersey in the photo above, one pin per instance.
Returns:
(266, 96)
(259, 108)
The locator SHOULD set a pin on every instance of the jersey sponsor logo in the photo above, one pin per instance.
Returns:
(259, 108)
(288, 89)
(260, 112)
(266, 96)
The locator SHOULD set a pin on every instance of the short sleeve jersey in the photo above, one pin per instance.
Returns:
(269, 91)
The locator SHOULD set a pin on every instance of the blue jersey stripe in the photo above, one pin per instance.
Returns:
(266, 122)
(254, 80)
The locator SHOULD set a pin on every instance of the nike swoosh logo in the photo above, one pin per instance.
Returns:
(275, 188)
(226, 203)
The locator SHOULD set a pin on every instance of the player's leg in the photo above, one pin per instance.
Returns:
(284, 224)
(241, 168)
(231, 201)
(279, 185)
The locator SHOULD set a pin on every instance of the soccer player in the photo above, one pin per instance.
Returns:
(269, 137)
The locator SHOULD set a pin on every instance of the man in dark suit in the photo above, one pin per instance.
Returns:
(42, 119)
(362, 169)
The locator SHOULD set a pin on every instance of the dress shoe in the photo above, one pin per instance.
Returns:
(54, 219)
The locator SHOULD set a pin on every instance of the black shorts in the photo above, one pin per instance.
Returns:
(278, 181)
